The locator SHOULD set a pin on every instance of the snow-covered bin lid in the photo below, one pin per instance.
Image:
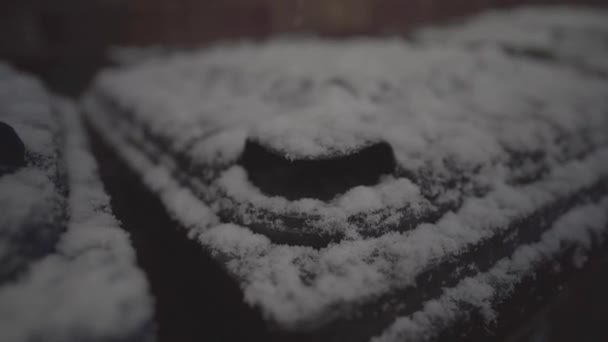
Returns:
(67, 270)
(457, 123)
(480, 142)
(573, 35)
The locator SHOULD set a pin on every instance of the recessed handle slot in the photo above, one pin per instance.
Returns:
(320, 178)
(12, 149)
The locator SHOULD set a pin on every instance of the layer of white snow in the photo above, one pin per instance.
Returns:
(354, 270)
(437, 107)
(443, 109)
(574, 34)
(89, 287)
(272, 276)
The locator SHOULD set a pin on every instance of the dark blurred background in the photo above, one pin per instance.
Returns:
(65, 41)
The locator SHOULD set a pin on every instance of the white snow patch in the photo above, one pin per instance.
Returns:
(90, 288)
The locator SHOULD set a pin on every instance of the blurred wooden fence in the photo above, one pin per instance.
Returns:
(65, 40)
(42, 28)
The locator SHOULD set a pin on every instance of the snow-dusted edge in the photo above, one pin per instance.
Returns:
(90, 288)
(582, 228)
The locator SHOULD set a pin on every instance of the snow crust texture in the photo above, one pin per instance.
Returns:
(484, 140)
